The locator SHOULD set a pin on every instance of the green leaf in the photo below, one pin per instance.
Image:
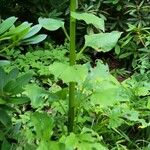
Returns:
(12, 74)
(99, 73)
(33, 30)
(2, 101)
(7, 24)
(2, 135)
(105, 97)
(34, 40)
(16, 86)
(76, 73)
(18, 100)
(117, 49)
(36, 95)
(51, 145)
(89, 19)
(5, 118)
(19, 29)
(43, 125)
(108, 93)
(103, 41)
(124, 55)
(148, 103)
(83, 141)
(51, 24)
(3, 78)
(5, 145)
(4, 62)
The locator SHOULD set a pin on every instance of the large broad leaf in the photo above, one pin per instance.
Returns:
(6, 24)
(36, 95)
(99, 73)
(51, 24)
(16, 86)
(108, 93)
(76, 73)
(89, 19)
(43, 125)
(33, 30)
(103, 41)
(34, 40)
(7, 77)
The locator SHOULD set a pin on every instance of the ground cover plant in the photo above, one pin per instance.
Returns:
(66, 97)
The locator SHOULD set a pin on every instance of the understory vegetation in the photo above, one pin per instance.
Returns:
(75, 75)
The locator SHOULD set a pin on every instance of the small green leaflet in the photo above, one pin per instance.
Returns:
(51, 24)
(76, 73)
(89, 19)
(103, 41)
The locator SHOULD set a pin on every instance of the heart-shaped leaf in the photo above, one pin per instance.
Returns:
(103, 41)
(90, 19)
(76, 73)
(51, 24)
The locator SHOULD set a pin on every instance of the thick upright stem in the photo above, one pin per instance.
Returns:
(71, 112)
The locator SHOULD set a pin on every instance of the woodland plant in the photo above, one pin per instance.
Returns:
(84, 107)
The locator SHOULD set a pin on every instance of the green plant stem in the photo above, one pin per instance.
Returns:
(65, 32)
(71, 111)
(10, 46)
(81, 51)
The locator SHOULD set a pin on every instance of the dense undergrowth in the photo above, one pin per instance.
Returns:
(111, 76)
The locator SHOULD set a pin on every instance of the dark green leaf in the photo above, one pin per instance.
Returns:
(5, 118)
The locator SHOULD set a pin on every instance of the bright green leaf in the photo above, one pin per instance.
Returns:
(43, 125)
(36, 95)
(103, 41)
(89, 19)
(6, 24)
(33, 30)
(19, 29)
(34, 40)
(76, 73)
(4, 62)
(51, 24)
